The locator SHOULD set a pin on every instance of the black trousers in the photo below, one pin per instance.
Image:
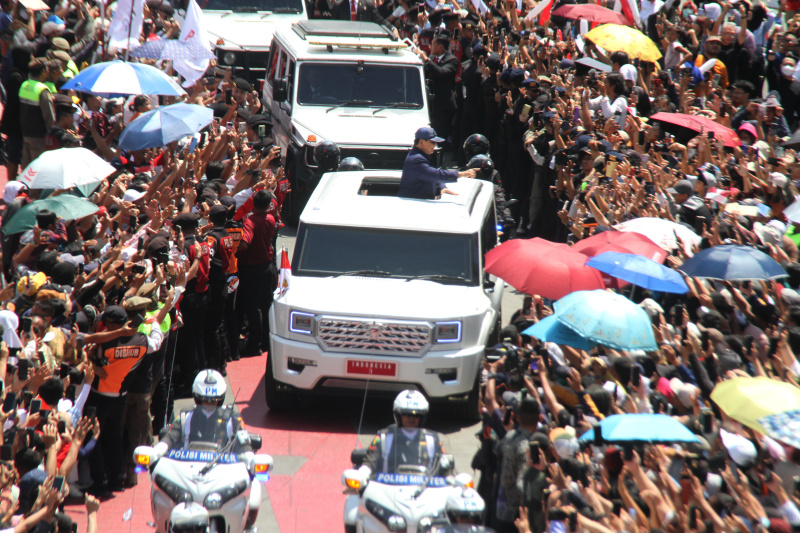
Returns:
(214, 342)
(256, 284)
(190, 354)
(106, 459)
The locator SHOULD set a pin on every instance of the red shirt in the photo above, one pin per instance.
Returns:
(259, 228)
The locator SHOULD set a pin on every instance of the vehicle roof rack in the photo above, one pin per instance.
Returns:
(346, 29)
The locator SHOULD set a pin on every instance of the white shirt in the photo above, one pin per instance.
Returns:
(609, 109)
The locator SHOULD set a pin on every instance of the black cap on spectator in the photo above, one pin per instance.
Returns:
(157, 245)
(218, 214)
(186, 220)
(258, 119)
(243, 84)
(220, 109)
(115, 315)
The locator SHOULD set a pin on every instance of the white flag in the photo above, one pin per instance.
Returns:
(125, 25)
(193, 30)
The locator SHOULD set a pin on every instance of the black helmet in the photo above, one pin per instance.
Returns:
(476, 144)
(351, 164)
(483, 165)
(326, 155)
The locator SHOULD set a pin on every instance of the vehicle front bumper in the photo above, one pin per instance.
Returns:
(330, 370)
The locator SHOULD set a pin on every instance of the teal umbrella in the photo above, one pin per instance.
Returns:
(64, 206)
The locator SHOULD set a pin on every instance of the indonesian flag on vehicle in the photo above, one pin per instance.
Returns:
(542, 10)
(284, 275)
(630, 9)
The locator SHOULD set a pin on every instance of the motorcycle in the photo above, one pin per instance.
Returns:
(226, 484)
(409, 500)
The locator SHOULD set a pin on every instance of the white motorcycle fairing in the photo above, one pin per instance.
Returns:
(392, 495)
(226, 490)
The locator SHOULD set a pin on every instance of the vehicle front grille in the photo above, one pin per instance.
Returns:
(377, 159)
(346, 335)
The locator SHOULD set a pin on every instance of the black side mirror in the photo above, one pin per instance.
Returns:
(280, 92)
(255, 441)
(357, 457)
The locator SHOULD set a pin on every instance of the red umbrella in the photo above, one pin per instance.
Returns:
(697, 123)
(537, 266)
(592, 13)
(622, 242)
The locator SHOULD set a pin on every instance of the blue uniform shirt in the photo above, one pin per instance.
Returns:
(420, 179)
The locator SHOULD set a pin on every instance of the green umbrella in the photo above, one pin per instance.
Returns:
(64, 206)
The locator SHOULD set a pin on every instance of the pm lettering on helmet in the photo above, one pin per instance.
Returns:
(211, 391)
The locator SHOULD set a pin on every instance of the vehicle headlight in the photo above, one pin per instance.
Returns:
(229, 58)
(448, 331)
(392, 521)
(300, 322)
(217, 499)
(176, 493)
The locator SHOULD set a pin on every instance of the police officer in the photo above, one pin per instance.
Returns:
(690, 209)
(485, 171)
(420, 179)
(209, 421)
(405, 442)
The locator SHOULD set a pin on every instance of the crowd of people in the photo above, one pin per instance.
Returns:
(108, 318)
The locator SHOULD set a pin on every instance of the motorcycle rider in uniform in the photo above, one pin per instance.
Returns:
(405, 442)
(209, 421)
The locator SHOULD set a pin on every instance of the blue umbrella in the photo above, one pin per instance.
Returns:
(784, 427)
(163, 125)
(119, 77)
(549, 329)
(732, 262)
(172, 49)
(608, 319)
(642, 427)
(640, 271)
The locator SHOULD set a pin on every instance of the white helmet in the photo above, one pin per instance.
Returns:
(410, 402)
(465, 506)
(188, 518)
(209, 386)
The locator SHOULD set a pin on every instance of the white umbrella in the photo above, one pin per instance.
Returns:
(663, 232)
(65, 168)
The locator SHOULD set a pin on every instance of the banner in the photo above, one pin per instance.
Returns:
(125, 25)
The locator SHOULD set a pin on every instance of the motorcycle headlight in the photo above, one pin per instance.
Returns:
(392, 521)
(176, 493)
(218, 498)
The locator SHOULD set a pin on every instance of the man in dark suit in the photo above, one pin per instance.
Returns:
(422, 180)
(358, 10)
(440, 68)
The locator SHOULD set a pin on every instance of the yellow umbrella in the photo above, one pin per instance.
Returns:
(748, 399)
(616, 38)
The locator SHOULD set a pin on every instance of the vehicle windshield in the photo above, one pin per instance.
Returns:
(366, 85)
(254, 6)
(335, 251)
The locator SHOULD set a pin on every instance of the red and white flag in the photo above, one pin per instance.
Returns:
(284, 275)
(630, 9)
(542, 10)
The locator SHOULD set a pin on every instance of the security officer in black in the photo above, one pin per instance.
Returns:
(690, 209)
(220, 244)
(209, 422)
